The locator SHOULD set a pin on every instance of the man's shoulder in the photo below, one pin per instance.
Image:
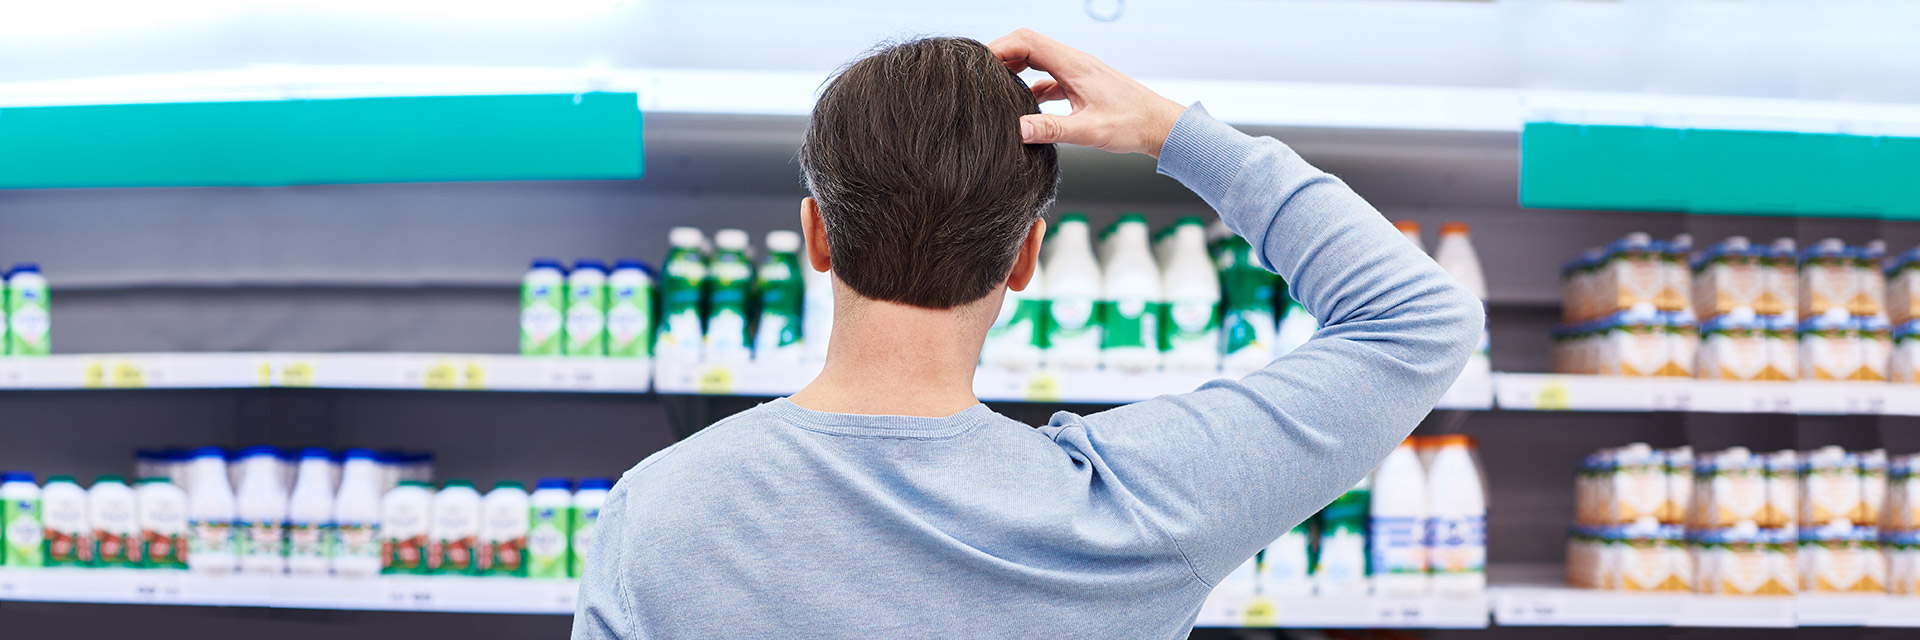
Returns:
(730, 436)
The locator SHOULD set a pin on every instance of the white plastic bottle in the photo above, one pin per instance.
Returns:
(1455, 255)
(21, 531)
(1457, 533)
(163, 523)
(454, 531)
(1296, 327)
(356, 514)
(63, 509)
(310, 515)
(1073, 287)
(1014, 343)
(1131, 298)
(543, 304)
(261, 504)
(1190, 331)
(586, 517)
(550, 529)
(213, 541)
(630, 309)
(1399, 523)
(1284, 565)
(1411, 230)
(29, 317)
(405, 516)
(586, 329)
(505, 513)
(113, 516)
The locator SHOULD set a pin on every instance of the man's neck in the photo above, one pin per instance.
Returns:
(894, 359)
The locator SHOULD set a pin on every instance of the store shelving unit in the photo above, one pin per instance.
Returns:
(433, 371)
(385, 593)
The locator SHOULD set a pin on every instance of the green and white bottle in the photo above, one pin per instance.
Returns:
(630, 310)
(1190, 320)
(731, 274)
(29, 319)
(777, 337)
(1018, 337)
(1246, 320)
(21, 532)
(586, 329)
(683, 281)
(543, 304)
(1131, 296)
(1073, 286)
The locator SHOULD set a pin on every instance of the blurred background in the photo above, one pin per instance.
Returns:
(309, 224)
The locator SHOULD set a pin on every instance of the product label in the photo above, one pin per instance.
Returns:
(1457, 545)
(29, 322)
(1128, 323)
(407, 554)
(263, 539)
(586, 335)
(210, 538)
(1070, 315)
(547, 542)
(309, 540)
(629, 321)
(1249, 332)
(540, 321)
(1399, 545)
(584, 522)
(455, 555)
(22, 532)
(163, 551)
(507, 557)
(356, 541)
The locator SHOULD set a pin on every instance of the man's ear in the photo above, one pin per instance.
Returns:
(814, 229)
(1029, 257)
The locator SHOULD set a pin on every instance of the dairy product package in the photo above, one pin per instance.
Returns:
(1676, 285)
(1903, 287)
(1903, 364)
(1875, 344)
(630, 309)
(406, 514)
(543, 305)
(1073, 285)
(1399, 513)
(1579, 284)
(1783, 348)
(1284, 565)
(1639, 484)
(1738, 488)
(729, 289)
(1727, 277)
(1590, 488)
(1900, 551)
(1840, 559)
(1902, 510)
(1679, 479)
(1745, 561)
(1631, 276)
(1827, 282)
(1733, 347)
(1683, 343)
(779, 296)
(1831, 489)
(1586, 558)
(1779, 280)
(1869, 281)
(1781, 474)
(683, 281)
(1650, 558)
(1829, 348)
(1634, 343)
(586, 325)
(1340, 566)
(1872, 467)
(453, 530)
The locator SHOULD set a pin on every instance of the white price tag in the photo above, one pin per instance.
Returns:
(1672, 397)
(1400, 612)
(1531, 610)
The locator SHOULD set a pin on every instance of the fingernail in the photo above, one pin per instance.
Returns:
(1026, 130)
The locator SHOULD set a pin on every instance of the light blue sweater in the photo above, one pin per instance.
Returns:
(783, 522)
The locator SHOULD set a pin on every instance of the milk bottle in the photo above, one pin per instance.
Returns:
(1457, 535)
(1399, 523)
(1073, 282)
(21, 531)
(630, 310)
(505, 514)
(163, 523)
(1411, 230)
(1284, 567)
(777, 330)
(542, 308)
(586, 329)
(1190, 330)
(731, 275)
(550, 530)
(683, 281)
(1341, 566)
(1016, 339)
(454, 530)
(1455, 255)
(261, 504)
(310, 515)
(64, 510)
(405, 516)
(1247, 322)
(29, 323)
(586, 516)
(213, 541)
(1131, 298)
(356, 514)
(113, 517)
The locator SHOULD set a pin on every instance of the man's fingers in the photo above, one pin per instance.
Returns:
(1041, 128)
(1026, 48)
(1048, 90)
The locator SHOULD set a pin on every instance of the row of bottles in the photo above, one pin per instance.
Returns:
(587, 310)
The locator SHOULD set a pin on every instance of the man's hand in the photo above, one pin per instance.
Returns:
(1110, 111)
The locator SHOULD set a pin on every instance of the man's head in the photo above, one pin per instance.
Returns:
(915, 161)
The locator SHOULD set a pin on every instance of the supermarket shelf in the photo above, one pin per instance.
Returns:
(387, 593)
(1472, 391)
(1555, 392)
(1531, 596)
(1224, 609)
(325, 370)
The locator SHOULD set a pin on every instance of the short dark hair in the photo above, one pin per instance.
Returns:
(914, 156)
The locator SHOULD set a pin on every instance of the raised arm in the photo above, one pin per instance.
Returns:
(1226, 469)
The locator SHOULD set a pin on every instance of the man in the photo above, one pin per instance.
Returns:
(884, 501)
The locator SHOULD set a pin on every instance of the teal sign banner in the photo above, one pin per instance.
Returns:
(1565, 166)
(592, 136)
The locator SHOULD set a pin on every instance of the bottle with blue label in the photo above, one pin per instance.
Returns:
(630, 310)
(28, 315)
(543, 303)
(586, 517)
(1457, 518)
(586, 329)
(1398, 523)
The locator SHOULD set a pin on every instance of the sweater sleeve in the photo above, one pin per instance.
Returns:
(1228, 468)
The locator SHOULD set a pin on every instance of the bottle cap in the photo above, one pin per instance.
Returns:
(456, 482)
(629, 263)
(260, 451)
(24, 267)
(548, 263)
(315, 452)
(61, 478)
(210, 452)
(109, 479)
(1407, 226)
(415, 483)
(1073, 216)
(1450, 228)
(589, 484)
(153, 480)
(359, 454)
(508, 484)
(16, 476)
(783, 241)
(1191, 220)
(1450, 440)
(555, 483)
(686, 237)
(730, 239)
(1131, 217)
(594, 264)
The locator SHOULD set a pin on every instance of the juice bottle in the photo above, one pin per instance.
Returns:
(542, 308)
(1073, 284)
(586, 516)
(630, 310)
(1131, 294)
(356, 513)
(1190, 326)
(731, 274)
(505, 514)
(550, 529)
(586, 329)
(778, 292)
(683, 281)
(163, 523)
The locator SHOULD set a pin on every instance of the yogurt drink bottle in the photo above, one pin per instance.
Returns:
(356, 514)
(1456, 256)
(163, 523)
(683, 281)
(731, 275)
(310, 515)
(1457, 533)
(779, 292)
(261, 504)
(21, 530)
(1247, 320)
(550, 529)
(63, 506)
(586, 516)
(1018, 335)
(212, 539)
(455, 530)
(586, 329)
(506, 515)
(630, 310)
(114, 518)
(1132, 296)
(543, 303)
(1399, 523)
(1190, 326)
(1073, 285)
(405, 516)
(29, 321)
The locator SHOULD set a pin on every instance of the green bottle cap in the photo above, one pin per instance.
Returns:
(110, 478)
(1073, 216)
(154, 480)
(509, 484)
(66, 479)
(456, 482)
(415, 483)
(1132, 216)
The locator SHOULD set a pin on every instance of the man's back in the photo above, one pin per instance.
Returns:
(782, 521)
